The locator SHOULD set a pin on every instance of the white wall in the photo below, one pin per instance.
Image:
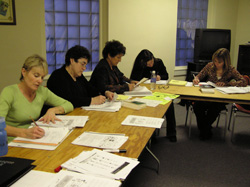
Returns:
(242, 26)
(19, 41)
(144, 24)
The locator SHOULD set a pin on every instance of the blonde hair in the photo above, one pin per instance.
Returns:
(224, 55)
(35, 61)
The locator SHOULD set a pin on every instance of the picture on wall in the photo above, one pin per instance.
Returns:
(7, 12)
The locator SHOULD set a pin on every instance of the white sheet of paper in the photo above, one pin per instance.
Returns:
(35, 178)
(151, 103)
(67, 121)
(143, 121)
(101, 140)
(101, 163)
(68, 178)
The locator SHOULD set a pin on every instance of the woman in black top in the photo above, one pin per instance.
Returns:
(144, 64)
(69, 83)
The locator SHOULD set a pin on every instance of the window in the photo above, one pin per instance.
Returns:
(192, 14)
(69, 23)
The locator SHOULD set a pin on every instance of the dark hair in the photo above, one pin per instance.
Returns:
(143, 57)
(113, 48)
(224, 55)
(76, 53)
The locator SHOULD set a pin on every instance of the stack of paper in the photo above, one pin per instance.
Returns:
(177, 82)
(66, 121)
(52, 138)
(233, 90)
(101, 140)
(148, 102)
(101, 163)
(137, 105)
(106, 107)
(139, 91)
(143, 121)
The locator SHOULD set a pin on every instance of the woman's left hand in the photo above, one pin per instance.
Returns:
(50, 116)
(220, 84)
(158, 78)
(134, 82)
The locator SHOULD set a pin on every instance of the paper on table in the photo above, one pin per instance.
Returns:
(158, 96)
(101, 163)
(157, 82)
(67, 121)
(35, 178)
(101, 140)
(151, 103)
(107, 107)
(141, 81)
(52, 137)
(233, 90)
(68, 178)
(139, 91)
(143, 121)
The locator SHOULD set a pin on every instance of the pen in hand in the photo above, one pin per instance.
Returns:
(33, 121)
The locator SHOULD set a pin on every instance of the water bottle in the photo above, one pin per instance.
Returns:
(3, 138)
(153, 80)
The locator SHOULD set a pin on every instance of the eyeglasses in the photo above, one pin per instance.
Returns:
(83, 64)
(163, 87)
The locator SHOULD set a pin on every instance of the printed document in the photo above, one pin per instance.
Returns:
(101, 163)
(52, 136)
(67, 121)
(106, 107)
(101, 140)
(143, 121)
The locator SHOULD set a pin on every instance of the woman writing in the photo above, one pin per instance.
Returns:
(106, 75)
(220, 72)
(144, 64)
(69, 83)
(20, 103)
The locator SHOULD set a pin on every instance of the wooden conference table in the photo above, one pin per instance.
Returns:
(194, 93)
(106, 122)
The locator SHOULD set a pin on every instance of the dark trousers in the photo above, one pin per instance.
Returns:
(206, 113)
(171, 123)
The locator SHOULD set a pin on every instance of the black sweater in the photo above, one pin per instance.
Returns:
(139, 72)
(78, 92)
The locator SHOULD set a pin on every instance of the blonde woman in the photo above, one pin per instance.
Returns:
(23, 101)
(222, 73)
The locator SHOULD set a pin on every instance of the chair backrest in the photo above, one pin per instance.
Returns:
(243, 108)
(247, 78)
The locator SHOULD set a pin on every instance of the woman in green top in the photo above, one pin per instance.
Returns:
(19, 103)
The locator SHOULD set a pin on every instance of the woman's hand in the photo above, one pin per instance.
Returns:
(131, 86)
(98, 100)
(221, 84)
(50, 116)
(109, 95)
(196, 81)
(34, 133)
(158, 77)
(134, 82)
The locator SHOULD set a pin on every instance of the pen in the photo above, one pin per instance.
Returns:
(115, 150)
(58, 169)
(34, 121)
